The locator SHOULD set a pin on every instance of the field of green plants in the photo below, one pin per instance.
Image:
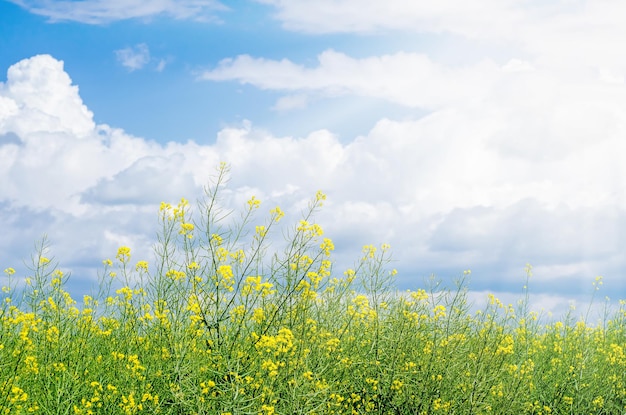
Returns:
(224, 322)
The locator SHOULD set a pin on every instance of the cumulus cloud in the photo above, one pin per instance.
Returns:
(106, 11)
(134, 58)
(532, 174)
(39, 96)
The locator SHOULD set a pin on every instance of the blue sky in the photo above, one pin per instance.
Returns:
(467, 140)
(184, 47)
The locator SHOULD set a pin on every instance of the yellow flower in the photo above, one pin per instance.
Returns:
(186, 229)
(320, 196)
(350, 275)
(142, 266)
(226, 277)
(193, 266)
(598, 282)
(254, 203)
(107, 262)
(419, 295)
(369, 251)
(396, 385)
(218, 239)
(327, 246)
(277, 214)
(179, 275)
(267, 410)
(258, 315)
(9, 271)
(164, 207)
(598, 402)
(439, 311)
(123, 254)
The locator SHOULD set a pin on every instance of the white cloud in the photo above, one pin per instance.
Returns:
(586, 33)
(107, 11)
(134, 58)
(369, 16)
(161, 65)
(39, 96)
(532, 174)
(409, 79)
(291, 102)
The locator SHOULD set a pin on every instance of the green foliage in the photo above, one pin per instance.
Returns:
(225, 322)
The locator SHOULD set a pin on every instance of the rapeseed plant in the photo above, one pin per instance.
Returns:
(216, 324)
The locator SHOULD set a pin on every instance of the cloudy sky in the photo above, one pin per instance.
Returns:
(481, 135)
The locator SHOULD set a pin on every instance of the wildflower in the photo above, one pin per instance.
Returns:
(271, 367)
(127, 292)
(239, 256)
(258, 315)
(52, 334)
(226, 278)
(59, 367)
(277, 214)
(529, 270)
(142, 266)
(440, 405)
(327, 246)
(206, 386)
(261, 231)
(303, 226)
(320, 196)
(350, 275)
(165, 207)
(439, 311)
(179, 275)
(597, 282)
(186, 229)
(9, 271)
(419, 295)
(253, 203)
(238, 311)
(267, 410)
(107, 263)
(193, 266)
(396, 385)
(506, 346)
(317, 230)
(43, 260)
(123, 254)
(218, 239)
(369, 251)
(598, 402)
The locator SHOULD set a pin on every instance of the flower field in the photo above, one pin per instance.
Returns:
(223, 322)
